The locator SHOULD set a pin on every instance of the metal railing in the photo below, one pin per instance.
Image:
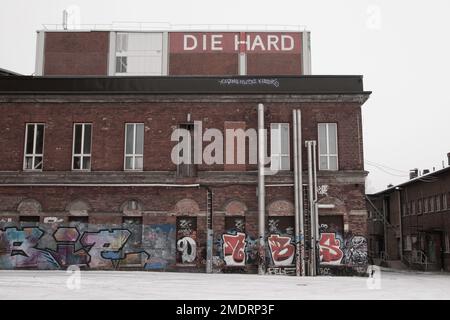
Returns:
(166, 26)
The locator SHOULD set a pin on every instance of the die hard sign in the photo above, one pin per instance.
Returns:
(229, 42)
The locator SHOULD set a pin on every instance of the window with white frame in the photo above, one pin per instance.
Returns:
(82, 140)
(279, 146)
(425, 205)
(444, 202)
(34, 146)
(134, 146)
(328, 153)
(139, 53)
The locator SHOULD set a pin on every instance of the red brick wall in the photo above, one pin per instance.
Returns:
(76, 53)
(109, 128)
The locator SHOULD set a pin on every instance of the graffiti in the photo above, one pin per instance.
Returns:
(65, 253)
(323, 190)
(186, 239)
(281, 271)
(188, 249)
(234, 249)
(52, 220)
(250, 82)
(18, 249)
(329, 249)
(282, 251)
(159, 239)
(355, 251)
(324, 271)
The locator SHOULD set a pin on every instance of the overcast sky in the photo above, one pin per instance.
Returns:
(400, 47)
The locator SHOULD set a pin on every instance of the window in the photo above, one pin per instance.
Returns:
(75, 220)
(279, 146)
(134, 146)
(444, 202)
(419, 206)
(446, 242)
(328, 154)
(431, 204)
(438, 203)
(29, 221)
(425, 205)
(82, 136)
(121, 64)
(413, 207)
(139, 53)
(408, 243)
(188, 168)
(34, 146)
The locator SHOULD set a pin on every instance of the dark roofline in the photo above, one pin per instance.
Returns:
(5, 72)
(183, 85)
(411, 181)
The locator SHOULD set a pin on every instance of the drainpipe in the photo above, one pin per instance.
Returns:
(316, 206)
(311, 210)
(261, 190)
(296, 195)
(300, 192)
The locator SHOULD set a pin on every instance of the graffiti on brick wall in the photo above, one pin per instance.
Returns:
(159, 241)
(355, 250)
(234, 243)
(18, 249)
(234, 249)
(282, 250)
(330, 249)
(350, 250)
(281, 247)
(186, 239)
(52, 246)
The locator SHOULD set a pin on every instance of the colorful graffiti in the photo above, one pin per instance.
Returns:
(51, 246)
(18, 249)
(234, 249)
(330, 249)
(159, 240)
(281, 246)
(282, 250)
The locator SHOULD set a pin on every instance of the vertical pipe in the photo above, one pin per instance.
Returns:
(296, 195)
(261, 189)
(316, 207)
(300, 192)
(311, 210)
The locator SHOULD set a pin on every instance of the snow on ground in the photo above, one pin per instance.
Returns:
(164, 285)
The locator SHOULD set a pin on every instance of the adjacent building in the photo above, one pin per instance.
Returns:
(410, 222)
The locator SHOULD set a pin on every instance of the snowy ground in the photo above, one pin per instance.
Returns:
(155, 285)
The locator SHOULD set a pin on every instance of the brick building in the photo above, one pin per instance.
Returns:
(87, 175)
(409, 222)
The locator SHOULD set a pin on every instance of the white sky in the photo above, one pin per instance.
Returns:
(400, 47)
